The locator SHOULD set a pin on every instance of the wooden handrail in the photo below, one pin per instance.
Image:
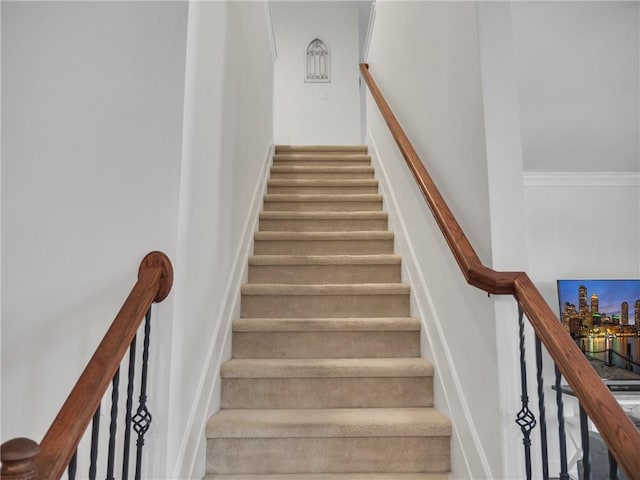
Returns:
(23, 458)
(617, 430)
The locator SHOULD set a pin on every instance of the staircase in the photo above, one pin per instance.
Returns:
(326, 380)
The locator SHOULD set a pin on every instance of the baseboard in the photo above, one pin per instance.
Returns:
(465, 432)
(193, 436)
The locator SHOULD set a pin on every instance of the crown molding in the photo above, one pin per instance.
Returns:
(581, 179)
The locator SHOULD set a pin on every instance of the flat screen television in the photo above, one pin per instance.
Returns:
(590, 307)
(603, 316)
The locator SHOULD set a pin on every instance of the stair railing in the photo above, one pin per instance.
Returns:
(25, 459)
(618, 432)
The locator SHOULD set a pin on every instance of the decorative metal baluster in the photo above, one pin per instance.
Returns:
(73, 466)
(525, 418)
(95, 430)
(142, 418)
(113, 425)
(584, 435)
(564, 470)
(128, 414)
(542, 411)
(613, 467)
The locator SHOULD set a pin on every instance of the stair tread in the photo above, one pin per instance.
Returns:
(325, 289)
(327, 368)
(302, 182)
(288, 215)
(360, 156)
(331, 476)
(327, 423)
(371, 324)
(320, 148)
(321, 169)
(323, 197)
(380, 259)
(351, 235)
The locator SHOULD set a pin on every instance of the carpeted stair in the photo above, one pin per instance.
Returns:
(326, 380)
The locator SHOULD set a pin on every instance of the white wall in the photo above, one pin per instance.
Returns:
(92, 124)
(227, 144)
(579, 81)
(507, 205)
(425, 58)
(578, 75)
(316, 113)
(128, 127)
(582, 226)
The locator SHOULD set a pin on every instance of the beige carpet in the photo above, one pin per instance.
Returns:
(326, 380)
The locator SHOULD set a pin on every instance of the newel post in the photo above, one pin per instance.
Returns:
(17, 459)
(159, 260)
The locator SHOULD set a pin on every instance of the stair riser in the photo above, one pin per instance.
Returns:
(330, 306)
(323, 225)
(323, 247)
(327, 392)
(324, 274)
(322, 175)
(315, 455)
(304, 206)
(382, 344)
(309, 190)
(323, 149)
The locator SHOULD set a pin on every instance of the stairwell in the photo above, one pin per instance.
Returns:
(326, 380)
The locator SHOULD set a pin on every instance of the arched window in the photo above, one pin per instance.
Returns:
(318, 62)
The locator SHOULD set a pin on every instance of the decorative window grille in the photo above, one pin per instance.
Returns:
(318, 62)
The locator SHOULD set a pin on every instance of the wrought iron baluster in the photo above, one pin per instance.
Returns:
(542, 411)
(73, 466)
(113, 425)
(95, 431)
(525, 418)
(142, 418)
(129, 410)
(613, 467)
(584, 435)
(564, 470)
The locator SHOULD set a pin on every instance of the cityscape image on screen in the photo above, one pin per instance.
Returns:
(593, 308)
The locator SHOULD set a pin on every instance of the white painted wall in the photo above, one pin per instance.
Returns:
(128, 127)
(506, 198)
(582, 226)
(578, 76)
(579, 83)
(316, 113)
(92, 124)
(425, 58)
(227, 146)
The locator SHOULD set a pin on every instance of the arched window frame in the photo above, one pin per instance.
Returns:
(317, 62)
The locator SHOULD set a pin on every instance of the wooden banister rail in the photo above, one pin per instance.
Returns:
(617, 430)
(25, 459)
